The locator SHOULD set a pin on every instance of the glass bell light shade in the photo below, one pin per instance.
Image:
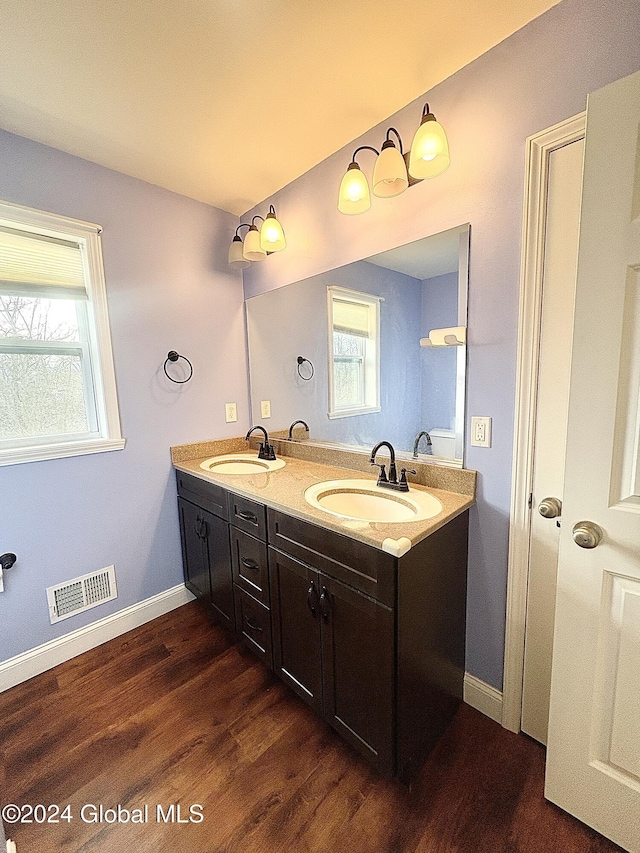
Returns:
(236, 258)
(390, 172)
(253, 251)
(272, 237)
(354, 196)
(429, 149)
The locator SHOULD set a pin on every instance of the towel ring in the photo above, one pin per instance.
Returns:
(174, 356)
(302, 360)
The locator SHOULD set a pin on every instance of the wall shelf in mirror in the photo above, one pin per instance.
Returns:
(455, 336)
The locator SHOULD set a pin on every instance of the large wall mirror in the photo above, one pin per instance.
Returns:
(365, 376)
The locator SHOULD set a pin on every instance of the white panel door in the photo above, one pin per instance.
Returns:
(564, 190)
(593, 758)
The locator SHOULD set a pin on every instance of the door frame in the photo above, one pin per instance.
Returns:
(538, 151)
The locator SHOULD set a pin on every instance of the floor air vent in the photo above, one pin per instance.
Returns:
(81, 594)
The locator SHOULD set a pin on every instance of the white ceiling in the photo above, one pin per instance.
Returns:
(227, 101)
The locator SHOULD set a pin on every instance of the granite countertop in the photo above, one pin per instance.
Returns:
(284, 490)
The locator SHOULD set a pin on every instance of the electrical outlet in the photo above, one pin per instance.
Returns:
(265, 408)
(230, 412)
(481, 432)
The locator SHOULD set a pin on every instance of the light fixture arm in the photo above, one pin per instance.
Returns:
(253, 220)
(427, 115)
(399, 138)
(242, 225)
(364, 148)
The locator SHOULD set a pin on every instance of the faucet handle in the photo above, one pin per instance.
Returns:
(403, 476)
(267, 452)
(382, 476)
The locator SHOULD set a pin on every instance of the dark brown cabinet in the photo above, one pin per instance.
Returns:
(297, 643)
(196, 570)
(372, 642)
(334, 647)
(206, 556)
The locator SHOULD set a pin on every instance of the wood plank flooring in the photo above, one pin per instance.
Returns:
(174, 713)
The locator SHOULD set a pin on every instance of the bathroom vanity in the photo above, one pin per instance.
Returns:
(364, 621)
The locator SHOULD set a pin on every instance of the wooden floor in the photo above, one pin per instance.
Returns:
(174, 713)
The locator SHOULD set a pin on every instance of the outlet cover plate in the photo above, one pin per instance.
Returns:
(230, 412)
(481, 432)
(265, 408)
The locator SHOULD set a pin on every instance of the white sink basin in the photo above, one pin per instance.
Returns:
(240, 463)
(363, 500)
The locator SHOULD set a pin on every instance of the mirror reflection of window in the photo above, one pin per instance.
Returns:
(354, 352)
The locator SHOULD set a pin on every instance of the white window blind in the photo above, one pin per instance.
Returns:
(351, 318)
(40, 266)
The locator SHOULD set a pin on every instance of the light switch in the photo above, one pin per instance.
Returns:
(481, 432)
(230, 412)
(265, 408)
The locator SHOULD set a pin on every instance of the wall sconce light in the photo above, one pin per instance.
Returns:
(394, 170)
(258, 243)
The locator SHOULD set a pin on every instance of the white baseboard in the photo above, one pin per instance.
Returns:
(20, 668)
(483, 697)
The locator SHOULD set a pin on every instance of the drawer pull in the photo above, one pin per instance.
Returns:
(312, 598)
(252, 626)
(247, 516)
(249, 564)
(325, 604)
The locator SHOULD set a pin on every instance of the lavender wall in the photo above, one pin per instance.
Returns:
(439, 364)
(169, 287)
(535, 78)
(283, 324)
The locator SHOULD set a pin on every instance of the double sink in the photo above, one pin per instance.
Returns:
(349, 498)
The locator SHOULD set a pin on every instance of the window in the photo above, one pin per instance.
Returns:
(354, 352)
(57, 384)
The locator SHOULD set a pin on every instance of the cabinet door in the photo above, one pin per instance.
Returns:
(195, 566)
(215, 538)
(357, 659)
(295, 615)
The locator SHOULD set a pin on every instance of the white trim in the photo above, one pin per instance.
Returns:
(101, 397)
(539, 148)
(20, 668)
(483, 697)
(57, 451)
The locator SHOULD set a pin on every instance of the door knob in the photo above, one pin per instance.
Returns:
(586, 534)
(550, 508)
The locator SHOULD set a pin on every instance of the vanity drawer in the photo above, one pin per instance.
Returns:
(253, 624)
(250, 565)
(362, 567)
(203, 493)
(248, 516)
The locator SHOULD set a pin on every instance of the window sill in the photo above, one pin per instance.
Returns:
(38, 453)
(348, 413)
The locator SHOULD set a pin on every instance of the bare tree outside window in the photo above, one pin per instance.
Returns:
(41, 379)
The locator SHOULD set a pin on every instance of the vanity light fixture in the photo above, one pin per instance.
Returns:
(394, 170)
(252, 249)
(258, 242)
(430, 148)
(272, 237)
(236, 258)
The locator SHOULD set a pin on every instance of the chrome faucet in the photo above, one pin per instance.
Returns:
(304, 424)
(266, 450)
(417, 442)
(390, 482)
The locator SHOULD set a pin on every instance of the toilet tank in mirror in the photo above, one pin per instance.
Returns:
(364, 333)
